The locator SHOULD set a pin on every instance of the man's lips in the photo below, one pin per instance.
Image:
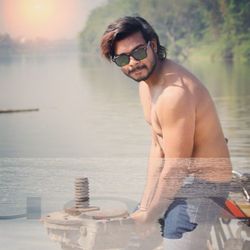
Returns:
(137, 69)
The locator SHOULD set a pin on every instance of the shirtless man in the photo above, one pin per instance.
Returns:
(187, 138)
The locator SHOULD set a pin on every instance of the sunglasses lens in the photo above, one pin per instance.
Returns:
(139, 54)
(122, 60)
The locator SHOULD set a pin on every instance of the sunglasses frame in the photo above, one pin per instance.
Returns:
(131, 54)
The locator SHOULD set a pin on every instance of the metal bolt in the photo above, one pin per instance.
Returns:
(81, 192)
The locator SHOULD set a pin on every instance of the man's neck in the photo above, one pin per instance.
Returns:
(157, 76)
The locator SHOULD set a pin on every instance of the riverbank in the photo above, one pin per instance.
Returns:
(217, 51)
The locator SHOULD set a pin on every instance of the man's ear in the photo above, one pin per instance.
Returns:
(154, 45)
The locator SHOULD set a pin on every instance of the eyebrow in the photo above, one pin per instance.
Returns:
(136, 47)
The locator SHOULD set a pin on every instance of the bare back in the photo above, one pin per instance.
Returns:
(208, 138)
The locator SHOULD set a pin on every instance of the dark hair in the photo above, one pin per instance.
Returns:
(124, 27)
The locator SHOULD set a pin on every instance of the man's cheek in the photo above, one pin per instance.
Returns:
(125, 71)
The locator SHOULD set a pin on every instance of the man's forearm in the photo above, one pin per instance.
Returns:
(170, 180)
(155, 166)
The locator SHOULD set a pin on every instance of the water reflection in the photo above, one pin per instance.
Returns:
(89, 109)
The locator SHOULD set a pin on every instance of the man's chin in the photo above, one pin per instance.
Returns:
(142, 77)
(139, 78)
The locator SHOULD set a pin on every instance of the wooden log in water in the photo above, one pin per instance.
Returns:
(5, 111)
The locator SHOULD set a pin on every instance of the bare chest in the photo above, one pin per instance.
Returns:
(153, 120)
(149, 102)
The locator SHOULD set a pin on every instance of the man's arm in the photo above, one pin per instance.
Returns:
(176, 113)
(155, 165)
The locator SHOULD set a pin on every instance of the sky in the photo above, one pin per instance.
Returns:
(48, 19)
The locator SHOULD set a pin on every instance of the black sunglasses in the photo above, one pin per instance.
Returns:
(138, 54)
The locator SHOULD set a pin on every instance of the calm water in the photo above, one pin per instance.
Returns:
(89, 123)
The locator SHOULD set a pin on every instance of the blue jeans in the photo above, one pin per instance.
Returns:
(176, 220)
(184, 214)
(187, 223)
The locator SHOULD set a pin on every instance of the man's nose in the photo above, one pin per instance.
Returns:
(133, 61)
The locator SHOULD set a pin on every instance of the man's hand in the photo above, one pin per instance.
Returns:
(144, 226)
(140, 217)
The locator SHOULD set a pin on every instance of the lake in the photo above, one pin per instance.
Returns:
(89, 123)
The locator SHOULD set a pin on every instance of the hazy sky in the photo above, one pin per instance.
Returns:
(51, 19)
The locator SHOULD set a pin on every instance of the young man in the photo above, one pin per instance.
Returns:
(188, 145)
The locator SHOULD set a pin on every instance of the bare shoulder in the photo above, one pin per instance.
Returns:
(182, 85)
(183, 74)
(175, 95)
(175, 105)
(178, 99)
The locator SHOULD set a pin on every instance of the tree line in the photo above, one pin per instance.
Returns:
(222, 27)
(39, 46)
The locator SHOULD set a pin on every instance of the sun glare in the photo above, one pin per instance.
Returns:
(38, 18)
(37, 13)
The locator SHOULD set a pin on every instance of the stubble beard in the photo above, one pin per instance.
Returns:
(142, 67)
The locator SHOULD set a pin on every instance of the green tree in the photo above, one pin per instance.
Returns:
(99, 19)
(181, 25)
